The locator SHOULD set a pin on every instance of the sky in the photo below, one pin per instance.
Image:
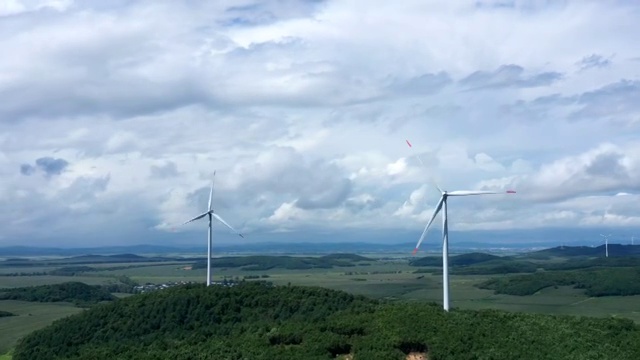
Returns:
(115, 114)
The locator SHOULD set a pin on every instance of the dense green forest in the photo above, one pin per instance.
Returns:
(6, 313)
(255, 320)
(261, 263)
(75, 292)
(595, 281)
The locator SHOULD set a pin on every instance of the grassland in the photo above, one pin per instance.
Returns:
(30, 316)
(391, 278)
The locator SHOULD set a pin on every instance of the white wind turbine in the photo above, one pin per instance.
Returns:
(211, 214)
(442, 205)
(606, 244)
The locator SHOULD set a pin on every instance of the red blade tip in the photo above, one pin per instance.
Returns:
(415, 251)
(408, 143)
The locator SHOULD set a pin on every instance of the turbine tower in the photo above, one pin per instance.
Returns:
(442, 205)
(606, 244)
(211, 214)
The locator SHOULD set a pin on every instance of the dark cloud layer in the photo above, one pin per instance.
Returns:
(164, 171)
(594, 61)
(50, 166)
(509, 76)
(422, 85)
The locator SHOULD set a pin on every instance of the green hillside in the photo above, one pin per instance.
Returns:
(260, 321)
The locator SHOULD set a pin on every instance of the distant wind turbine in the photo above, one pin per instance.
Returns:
(211, 214)
(442, 205)
(606, 244)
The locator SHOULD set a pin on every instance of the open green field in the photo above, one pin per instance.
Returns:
(30, 316)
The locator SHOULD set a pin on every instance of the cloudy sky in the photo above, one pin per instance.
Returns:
(115, 114)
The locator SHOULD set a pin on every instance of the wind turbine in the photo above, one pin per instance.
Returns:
(606, 244)
(442, 205)
(211, 214)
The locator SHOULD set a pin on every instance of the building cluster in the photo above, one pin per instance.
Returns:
(139, 289)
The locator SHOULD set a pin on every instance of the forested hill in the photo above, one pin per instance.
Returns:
(259, 321)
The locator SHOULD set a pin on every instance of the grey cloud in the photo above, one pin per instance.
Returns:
(593, 61)
(508, 76)
(164, 171)
(602, 170)
(617, 102)
(329, 197)
(423, 84)
(267, 12)
(355, 204)
(118, 96)
(618, 99)
(26, 169)
(84, 189)
(50, 166)
(283, 174)
(607, 165)
(540, 109)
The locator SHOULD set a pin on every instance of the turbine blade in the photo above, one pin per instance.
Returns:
(426, 228)
(426, 168)
(211, 192)
(226, 224)
(196, 218)
(477, 192)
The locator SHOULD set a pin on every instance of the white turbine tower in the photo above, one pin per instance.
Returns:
(606, 244)
(442, 205)
(211, 214)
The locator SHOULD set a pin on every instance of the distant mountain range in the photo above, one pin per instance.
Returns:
(615, 250)
(321, 248)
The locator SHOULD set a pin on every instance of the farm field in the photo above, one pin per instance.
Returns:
(30, 316)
